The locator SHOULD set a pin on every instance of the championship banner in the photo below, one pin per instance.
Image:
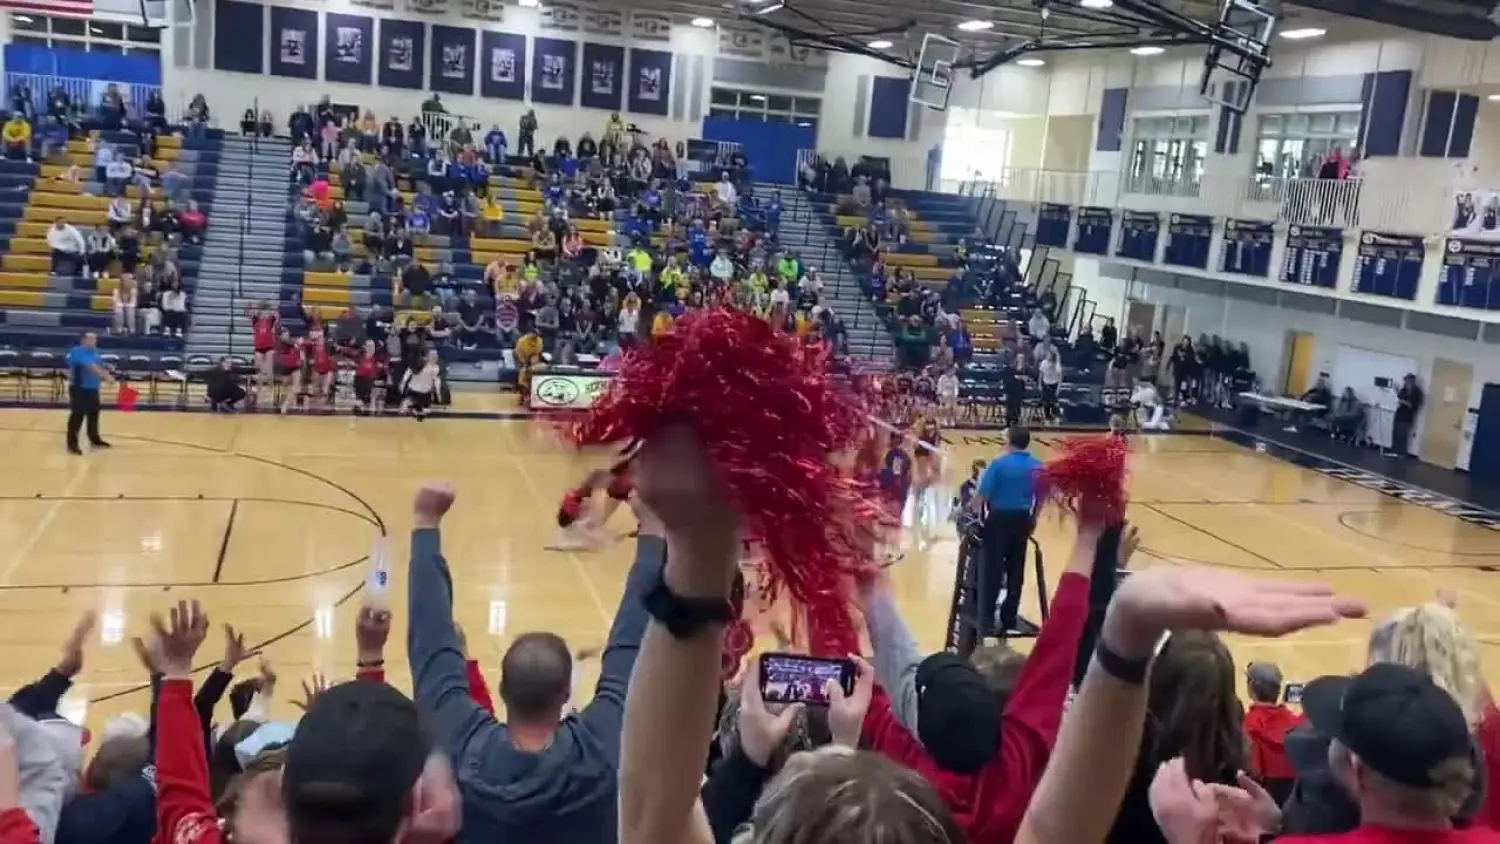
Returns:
(1476, 215)
(504, 65)
(452, 70)
(650, 81)
(347, 50)
(403, 53)
(603, 73)
(566, 391)
(294, 52)
(554, 71)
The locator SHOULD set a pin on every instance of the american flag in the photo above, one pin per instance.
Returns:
(76, 8)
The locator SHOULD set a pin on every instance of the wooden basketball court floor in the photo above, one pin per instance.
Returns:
(270, 521)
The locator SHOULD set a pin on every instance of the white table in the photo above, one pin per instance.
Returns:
(1287, 408)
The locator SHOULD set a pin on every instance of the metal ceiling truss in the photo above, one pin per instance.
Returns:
(1127, 24)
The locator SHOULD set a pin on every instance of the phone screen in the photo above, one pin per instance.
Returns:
(793, 678)
(1293, 693)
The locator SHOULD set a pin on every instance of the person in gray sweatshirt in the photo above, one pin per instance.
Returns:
(540, 776)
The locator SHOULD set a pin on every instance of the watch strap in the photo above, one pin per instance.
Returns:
(685, 617)
(1126, 670)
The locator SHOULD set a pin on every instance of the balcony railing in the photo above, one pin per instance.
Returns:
(1413, 203)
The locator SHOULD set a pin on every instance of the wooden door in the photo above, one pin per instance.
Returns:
(1442, 416)
(1300, 349)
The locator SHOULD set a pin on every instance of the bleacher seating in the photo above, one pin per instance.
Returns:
(40, 311)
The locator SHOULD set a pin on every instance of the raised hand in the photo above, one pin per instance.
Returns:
(371, 630)
(267, 676)
(148, 653)
(431, 504)
(1130, 541)
(72, 653)
(1157, 600)
(178, 638)
(678, 483)
(1184, 809)
(235, 651)
(317, 685)
(1246, 813)
(846, 714)
(761, 733)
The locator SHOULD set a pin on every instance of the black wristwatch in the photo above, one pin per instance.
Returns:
(684, 617)
(1124, 669)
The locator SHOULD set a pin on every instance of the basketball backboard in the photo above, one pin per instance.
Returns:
(932, 82)
(1238, 53)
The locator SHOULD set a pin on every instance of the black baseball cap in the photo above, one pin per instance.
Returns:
(1395, 719)
(354, 758)
(958, 714)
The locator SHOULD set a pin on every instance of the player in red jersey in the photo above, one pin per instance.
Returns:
(264, 322)
(288, 369)
(323, 368)
(367, 370)
(575, 515)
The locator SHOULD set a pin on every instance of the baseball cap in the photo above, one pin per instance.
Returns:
(354, 757)
(1264, 676)
(1395, 719)
(958, 715)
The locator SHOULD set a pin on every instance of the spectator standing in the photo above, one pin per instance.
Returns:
(1409, 399)
(1267, 723)
(1007, 496)
(86, 371)
(540, 775)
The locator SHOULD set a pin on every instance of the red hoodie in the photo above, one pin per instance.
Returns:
(1267, 724)
(16, 828)
(989, 805)
(1488, 735)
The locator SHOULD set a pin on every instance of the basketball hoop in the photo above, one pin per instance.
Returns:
(932, 83)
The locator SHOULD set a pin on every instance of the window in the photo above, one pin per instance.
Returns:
(80, 34)
(1293, 145)
(1168, 149)
(973, 150)
(735, 104)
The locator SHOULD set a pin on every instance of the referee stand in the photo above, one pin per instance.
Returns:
(964, 612)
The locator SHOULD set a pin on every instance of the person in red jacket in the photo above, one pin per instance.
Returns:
(986, 761)
(1266, 724)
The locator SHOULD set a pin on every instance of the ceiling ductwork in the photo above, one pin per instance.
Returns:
(1470, 20)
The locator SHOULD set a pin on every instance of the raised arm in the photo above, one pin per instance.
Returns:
(439, 671)
(896, 652)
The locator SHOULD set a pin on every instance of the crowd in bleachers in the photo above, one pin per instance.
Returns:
(564, 253)
(107, 216)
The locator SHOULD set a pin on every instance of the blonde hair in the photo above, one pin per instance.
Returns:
(1431, 638)
(835, 795)
(1453, 784)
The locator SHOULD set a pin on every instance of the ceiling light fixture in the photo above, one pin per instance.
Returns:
(1303, 34)
(1147, 51)
(976, 26)
(530, 4)
(880, 45)
(1096, 4)
(1494, 98)
(703, 23)
(1031, 62)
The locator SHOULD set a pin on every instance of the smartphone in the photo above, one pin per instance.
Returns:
(1292, 694)
(794, 678)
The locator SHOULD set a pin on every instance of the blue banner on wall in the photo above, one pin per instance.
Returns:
(452, 60)
(294, 51)
(403, 53)
(503, 70)
(239, 36)
(37, 60)
(347, 44)
(650, 81)
(890, 102)
(603, 77)
(554, 71)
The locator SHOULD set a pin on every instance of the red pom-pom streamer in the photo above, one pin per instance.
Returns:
(1088, 479)
(772, 418)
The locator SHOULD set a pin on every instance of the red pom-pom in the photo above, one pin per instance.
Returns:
(1088, 479)
(773, 418)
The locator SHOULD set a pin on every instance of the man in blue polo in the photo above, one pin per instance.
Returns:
(86, 371)
(1007, 497)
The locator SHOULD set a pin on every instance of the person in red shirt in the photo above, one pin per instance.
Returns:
(367, 370)
(323, 367)
(986, 761)
(1266, 724)
(1403, 748)
(288, 369)
(575, 515)
(263, 324)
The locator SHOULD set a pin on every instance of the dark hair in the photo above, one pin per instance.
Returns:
(243, 692)
(1194, 711)
(1020, 436)
(536, 676)
(223, 765)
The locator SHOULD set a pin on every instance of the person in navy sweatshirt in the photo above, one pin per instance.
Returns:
(539, 776)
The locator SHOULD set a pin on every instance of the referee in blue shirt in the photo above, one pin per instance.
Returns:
(86, 371)
(1007, 496)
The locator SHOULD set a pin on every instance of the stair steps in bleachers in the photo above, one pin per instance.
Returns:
(243, 253)
(803, 232)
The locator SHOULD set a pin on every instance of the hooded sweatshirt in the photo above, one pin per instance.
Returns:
(563, 794)
(1267, 726)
